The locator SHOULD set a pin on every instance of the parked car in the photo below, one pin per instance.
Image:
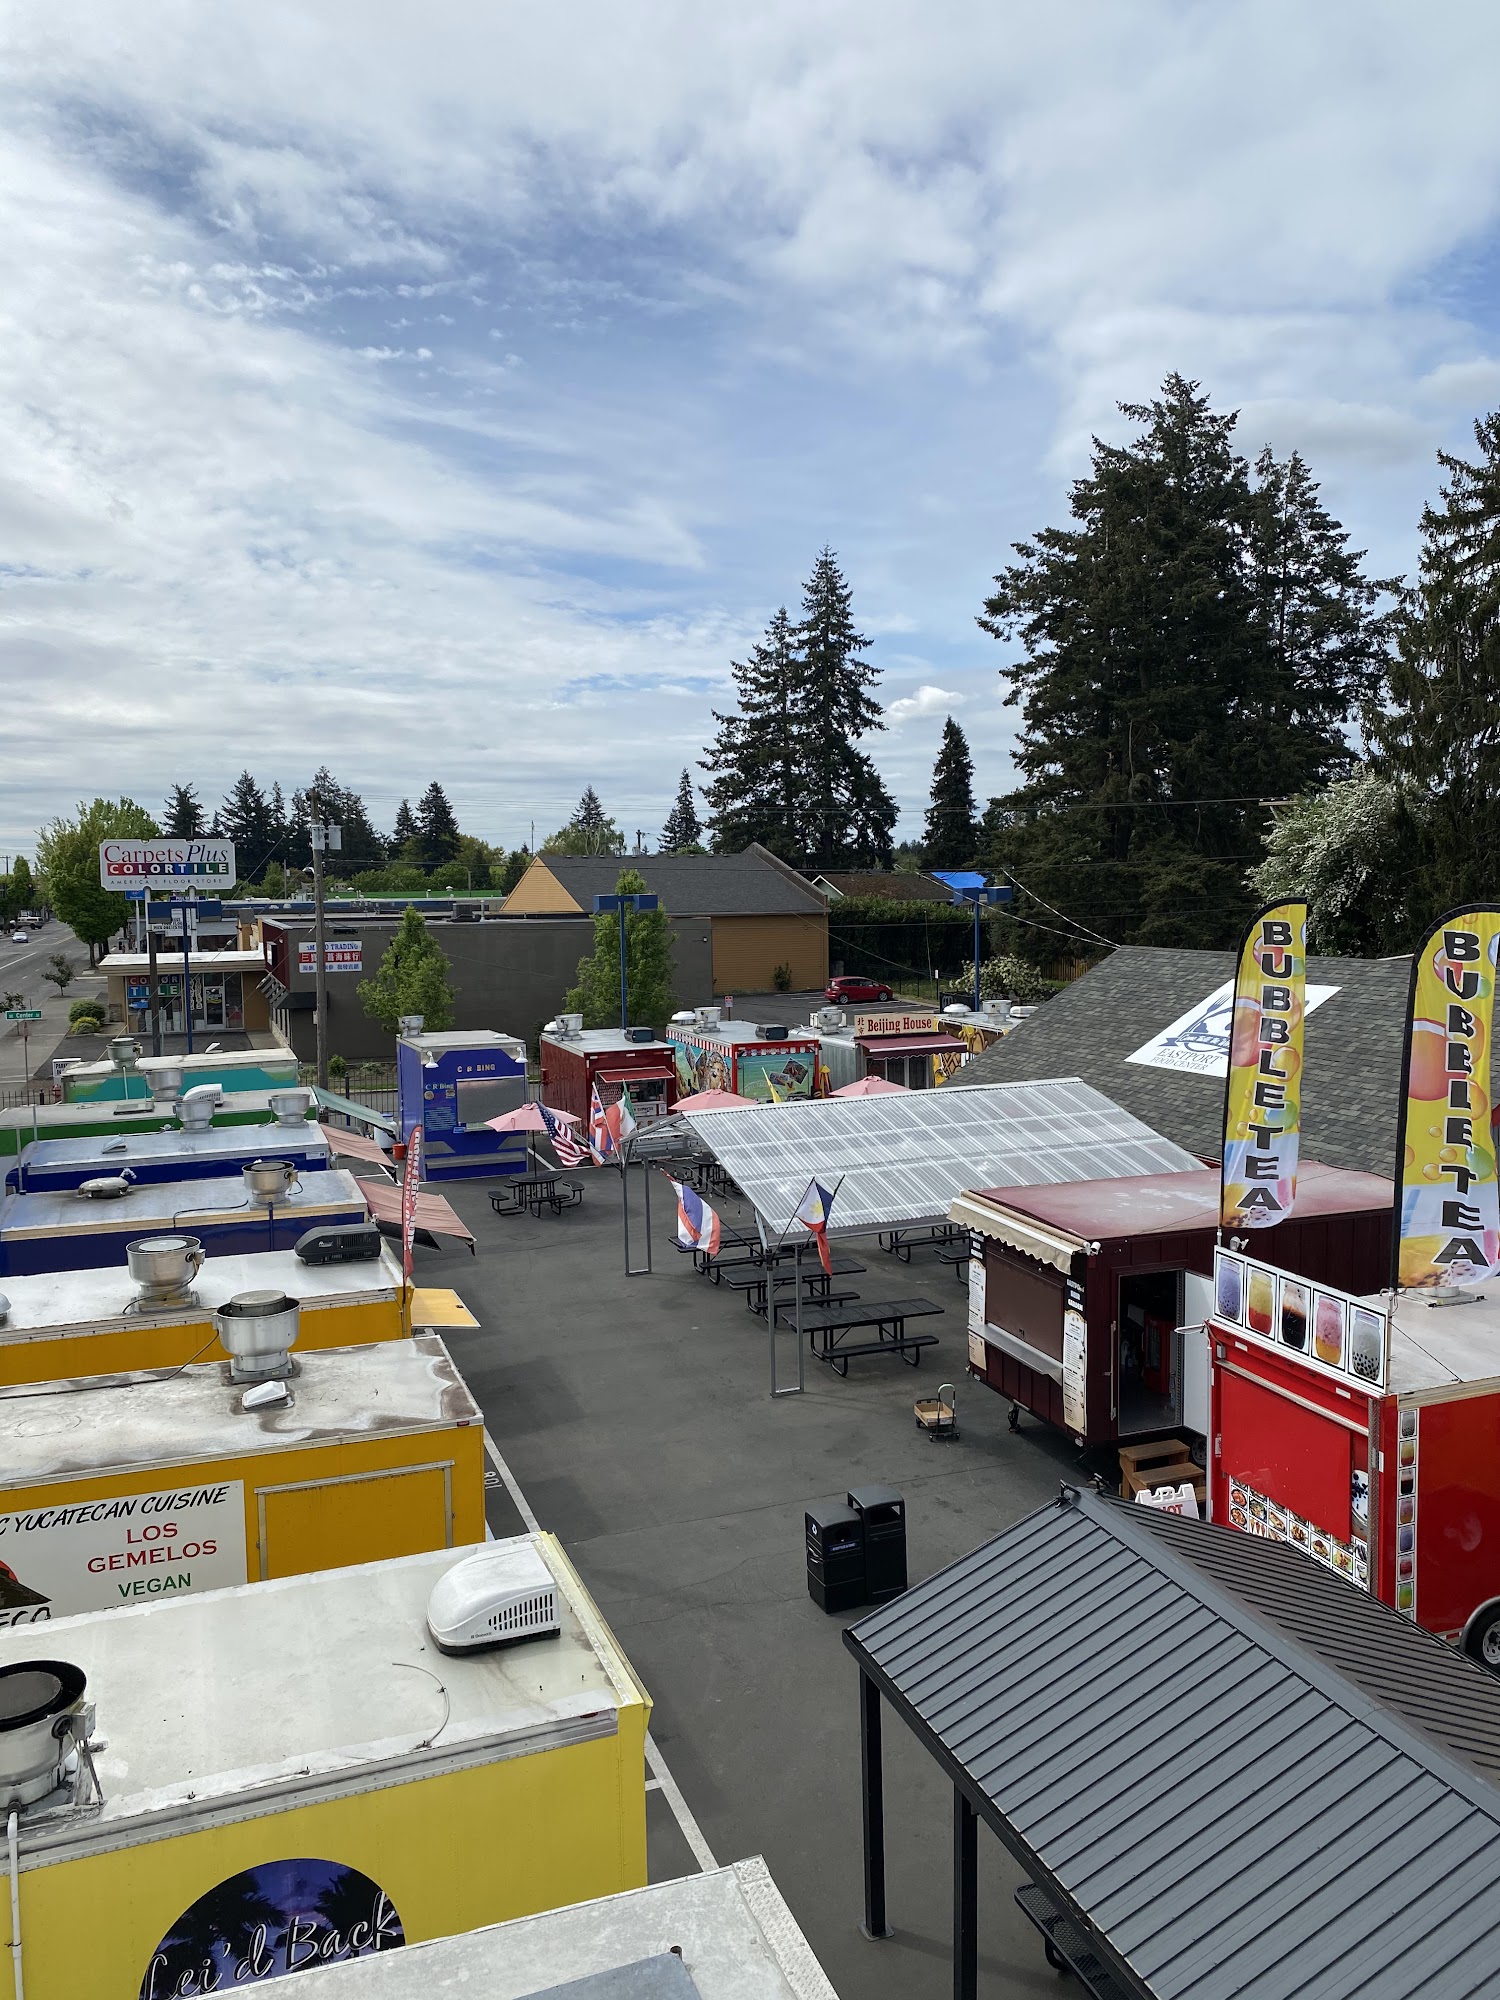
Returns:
(850, 990)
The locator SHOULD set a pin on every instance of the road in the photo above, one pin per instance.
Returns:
(21, 969)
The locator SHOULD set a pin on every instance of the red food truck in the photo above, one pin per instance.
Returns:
(1365, 1430)
(1083, 1294)
(575, 1058)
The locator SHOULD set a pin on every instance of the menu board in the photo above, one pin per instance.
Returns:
(1075, 1360)
(1257, 1514)
(1331, 1331)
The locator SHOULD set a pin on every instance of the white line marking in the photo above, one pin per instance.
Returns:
(661, 1778)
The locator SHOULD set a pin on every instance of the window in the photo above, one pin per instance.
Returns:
(1024, 1299)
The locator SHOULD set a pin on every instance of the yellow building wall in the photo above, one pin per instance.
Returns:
(451, 1852)
(539, 893)
(323, 1527)
(747, 951)
(67, 1357)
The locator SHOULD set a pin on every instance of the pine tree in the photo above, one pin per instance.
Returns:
(1187, 646)
(281, 825)
(683, 827)
(414, 978)
(850, 815)
(360, 846)
(182, 816)
(516, 864)
(754, 789)
(589, 831)
(246, 820)
(437, 828)
(1440, 728)
(648, 966)
(950, 835)
(588, 815)
(403, 841)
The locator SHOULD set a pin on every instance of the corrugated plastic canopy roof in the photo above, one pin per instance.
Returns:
(904, 1158)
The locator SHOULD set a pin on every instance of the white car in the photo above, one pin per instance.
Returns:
(20, 937)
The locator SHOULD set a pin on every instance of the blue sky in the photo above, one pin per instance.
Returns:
(454, 393)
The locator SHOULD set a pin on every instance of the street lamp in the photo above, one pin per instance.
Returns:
(980, 897)
(618, 905)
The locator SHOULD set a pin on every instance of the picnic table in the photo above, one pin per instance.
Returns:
(754, 1283)
(956, 1254)
(825, 1326)
(744, 1249)
(901, 1242)
(536, 1192)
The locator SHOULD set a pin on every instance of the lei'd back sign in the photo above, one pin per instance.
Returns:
(282, 1917)
(1263, 1094)
(1450, 1193)
(185, 864)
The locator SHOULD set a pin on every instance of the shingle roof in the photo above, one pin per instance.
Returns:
(1248, 1779)
(1351, 1079)
(751, 884)
(897, 886)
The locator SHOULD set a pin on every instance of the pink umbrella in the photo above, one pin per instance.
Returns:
(712, 1100)
(528, 1118)
(868, 1086)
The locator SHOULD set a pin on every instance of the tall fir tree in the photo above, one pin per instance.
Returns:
(360, 848)
(851, 816)
(1438, 730)
(754, 762)
(589, 831)
(1188, 647)
(683, 827)
(950, 836)
(281, 824)
(437, 828)
(183, 817)
(403, 841)
(246, 819)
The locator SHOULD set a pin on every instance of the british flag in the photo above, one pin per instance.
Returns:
(571, 1152)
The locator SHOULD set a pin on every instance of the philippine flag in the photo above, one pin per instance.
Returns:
(698, 1225)
(812, 1212)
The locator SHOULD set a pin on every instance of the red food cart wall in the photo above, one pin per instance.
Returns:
(1457, 1526)
(1301, 1453)
(565, 1079)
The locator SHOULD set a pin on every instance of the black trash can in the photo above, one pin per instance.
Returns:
(835, 1556)
(883, 1513)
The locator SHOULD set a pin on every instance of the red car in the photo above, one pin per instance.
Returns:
(853, 991)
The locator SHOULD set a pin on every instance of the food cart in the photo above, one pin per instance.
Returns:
(576, 1060)
(896, 1044)
(1364, 1429)
(55, 1165)
(451, 1085)
(1082, 1293)
(769, 1062)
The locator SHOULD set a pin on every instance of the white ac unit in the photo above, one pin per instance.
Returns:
(493, 1597)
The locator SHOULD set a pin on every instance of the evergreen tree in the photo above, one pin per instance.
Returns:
(851, 816)
(414, 978)
(403, 841)
(437, 828)
(360, 848)
(281, 825)
(683, 827)
(950, 834)
(1439, 731)
(516, 864)
(1190, 645)
(1348, 852)
(648, 966)
(182, 816)
(589, 831)
(754, 763)
(67, 856)
(246, 819)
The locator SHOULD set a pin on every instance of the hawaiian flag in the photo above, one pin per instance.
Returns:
(812, 1212)
(698, 1225)
(570, 1151)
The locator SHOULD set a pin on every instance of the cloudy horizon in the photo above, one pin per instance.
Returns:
(454, 394)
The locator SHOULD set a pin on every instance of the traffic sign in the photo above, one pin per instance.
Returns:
(134, 895)
(23, 1013)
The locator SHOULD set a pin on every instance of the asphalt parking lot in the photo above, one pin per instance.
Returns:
(634, 1414)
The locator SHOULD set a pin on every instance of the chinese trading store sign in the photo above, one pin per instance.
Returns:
(190, 864)
(129, 1549)
(1449, 1203)
(1263, 1092)
(284, 1916)
(336, 957)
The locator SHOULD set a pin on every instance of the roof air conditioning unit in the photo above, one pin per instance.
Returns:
(492, 1598)
(708, 1017)
(996, 1009)
(640, 1034)
(1022, 1013)
(958, 1007)
(773, 1031)
(684, 1017)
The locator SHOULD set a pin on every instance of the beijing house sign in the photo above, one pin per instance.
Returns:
(187, 864)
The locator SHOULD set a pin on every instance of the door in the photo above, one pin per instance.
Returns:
(361, 1517)
(213, 1003)
(1192, 1351)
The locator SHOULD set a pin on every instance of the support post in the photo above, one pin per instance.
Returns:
(976, 958)
(187, 980)
(965, 1899)
(153, 981)
(320, 945)
(872, 1792)
(624, 999)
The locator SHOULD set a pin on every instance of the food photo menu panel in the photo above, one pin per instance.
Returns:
(1334, 1333)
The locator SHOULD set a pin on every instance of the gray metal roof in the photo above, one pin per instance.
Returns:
(1350, 1083)
(751, 884)
(904, 1157)
(1248, 1780)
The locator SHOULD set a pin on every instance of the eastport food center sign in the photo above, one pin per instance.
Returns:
(179, 864)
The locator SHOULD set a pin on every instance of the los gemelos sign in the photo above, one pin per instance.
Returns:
(92, 1555)
(134, 864)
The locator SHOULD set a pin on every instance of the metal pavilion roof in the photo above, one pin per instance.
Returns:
(903, 1158)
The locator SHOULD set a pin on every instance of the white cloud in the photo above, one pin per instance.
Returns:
(926, 701)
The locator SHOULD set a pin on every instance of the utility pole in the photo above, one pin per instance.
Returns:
(322, 838)
(153, 979)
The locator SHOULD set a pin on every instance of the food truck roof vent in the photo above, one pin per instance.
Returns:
(569, 1025)
(492, 1598)
(707, 1017)
(43, 1720)
(258, 1331)
(829, 1017)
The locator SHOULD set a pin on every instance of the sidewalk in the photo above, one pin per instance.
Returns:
(30, 1058)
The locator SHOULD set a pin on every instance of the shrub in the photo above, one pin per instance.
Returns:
(1013, 979)
(781, 978)
(81, 1009)
(338, 1069)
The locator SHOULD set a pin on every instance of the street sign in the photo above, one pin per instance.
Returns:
(198, 906)
(23, 1013)
(135, 895)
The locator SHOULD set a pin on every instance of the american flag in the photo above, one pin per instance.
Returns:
(570, 1151)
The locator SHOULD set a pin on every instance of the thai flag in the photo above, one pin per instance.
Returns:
(812, 1212)
(569, 1151)
(698, 1225)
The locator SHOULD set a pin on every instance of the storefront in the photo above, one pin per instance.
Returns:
(223, 987)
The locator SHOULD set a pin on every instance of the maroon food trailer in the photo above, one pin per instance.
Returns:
(1081, 1293)
(574, 1059)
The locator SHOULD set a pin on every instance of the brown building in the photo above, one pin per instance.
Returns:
(761, 914)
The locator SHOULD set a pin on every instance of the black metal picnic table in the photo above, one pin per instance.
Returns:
(824, 1324)
(536, 1192)
(754, 1283)
(901, 1242)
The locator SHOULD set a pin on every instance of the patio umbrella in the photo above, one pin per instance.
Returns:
(868, 1086)
(712, 1100)
(528, 1117)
